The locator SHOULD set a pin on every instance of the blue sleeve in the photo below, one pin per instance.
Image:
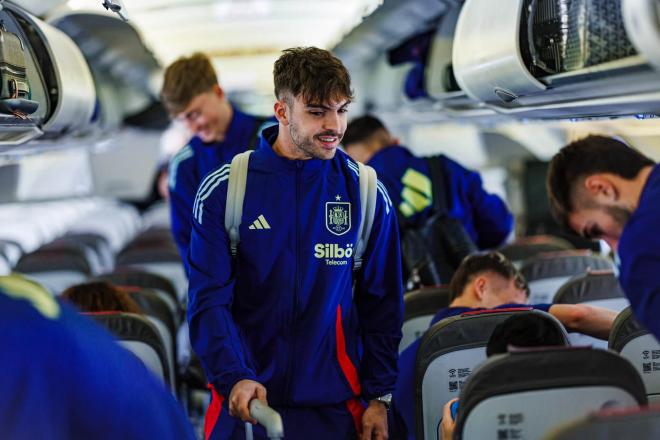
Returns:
(213, 332)
(402, 415)
(182, 184)
(379, 302)
(639, 251)
(492, 220)
(542, 307)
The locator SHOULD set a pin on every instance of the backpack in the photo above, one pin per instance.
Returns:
(432, 250)
(238, 172)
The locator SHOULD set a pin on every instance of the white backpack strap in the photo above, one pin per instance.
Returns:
(238, 171)
(368, 193)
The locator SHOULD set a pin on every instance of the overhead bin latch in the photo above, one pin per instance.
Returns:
(114, 6)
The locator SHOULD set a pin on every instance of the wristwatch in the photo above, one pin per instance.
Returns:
(386, 400)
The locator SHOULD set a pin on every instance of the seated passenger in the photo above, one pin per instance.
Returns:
(100, 296)
(466, 217)
(487, 281)
(524, 330)
(66, 378)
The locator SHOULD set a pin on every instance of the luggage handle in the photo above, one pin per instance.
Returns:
(266, 417)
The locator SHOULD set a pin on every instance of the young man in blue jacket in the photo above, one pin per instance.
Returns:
(65, 378)
(603, 189)
(191, 92)
(486, 281)
(484, 216)
(288, 320)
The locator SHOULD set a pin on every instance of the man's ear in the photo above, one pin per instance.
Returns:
(601, 187)
(479, 287)
(281, 112)
(218, 91)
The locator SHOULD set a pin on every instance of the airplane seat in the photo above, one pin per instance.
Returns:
(11, 251)
(546, 273)
(524, 248)
(449, 352)
(101, 247)
(162, 260)
(157, 216)
(118, 223)
(138, 335)
(159, 314)
(632, 341)
(419, 308)
(154, 237)
(58, 265)
(525, 393)
(635, 422)
(596, 288)
(125, 277)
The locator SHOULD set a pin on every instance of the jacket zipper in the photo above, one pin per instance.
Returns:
(296, 290)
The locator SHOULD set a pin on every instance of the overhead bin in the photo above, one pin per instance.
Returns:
(560, 58)
(46, 87)
(71, 92)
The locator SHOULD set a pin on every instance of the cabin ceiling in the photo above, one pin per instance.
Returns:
(243, 37)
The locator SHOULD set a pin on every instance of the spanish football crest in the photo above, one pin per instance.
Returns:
(338, 217)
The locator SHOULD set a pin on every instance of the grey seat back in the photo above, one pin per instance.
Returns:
(161, 317)
(546, 273)
(163, 287)
(641, 348)
(138, 335)
(449, 352)
(526, 393)
(596, 288)
(419, 308)
(631, 423)
(528, 247)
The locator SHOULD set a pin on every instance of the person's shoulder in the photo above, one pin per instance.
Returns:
(212, 191)
(180, 163)
(344, 160)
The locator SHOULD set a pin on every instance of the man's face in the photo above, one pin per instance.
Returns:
(600, 222)
(204, 117)
(316, 128)
(500, 291)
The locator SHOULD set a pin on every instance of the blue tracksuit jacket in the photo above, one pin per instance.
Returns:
(65, 378)
(284, 313)
(193, 162)
(402, 416)
(407, 179)
(639, 255)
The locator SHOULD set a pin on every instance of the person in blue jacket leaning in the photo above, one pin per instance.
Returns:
(602, 188)
(287, 320)
(191, 93)
(486, 281)
(484, 216)
(64, 377)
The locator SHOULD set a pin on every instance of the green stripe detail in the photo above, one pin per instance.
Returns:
(417, 181)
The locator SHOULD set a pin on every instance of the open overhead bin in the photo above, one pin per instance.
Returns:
(46, 88)
(560, 58)
(125, 70)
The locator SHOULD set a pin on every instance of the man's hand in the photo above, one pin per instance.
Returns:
(374, 422)
(241, 394)
(448, 424)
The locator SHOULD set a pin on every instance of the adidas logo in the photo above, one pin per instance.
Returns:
(260, 223)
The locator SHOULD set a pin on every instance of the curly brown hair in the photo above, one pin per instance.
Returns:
(313, 73)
